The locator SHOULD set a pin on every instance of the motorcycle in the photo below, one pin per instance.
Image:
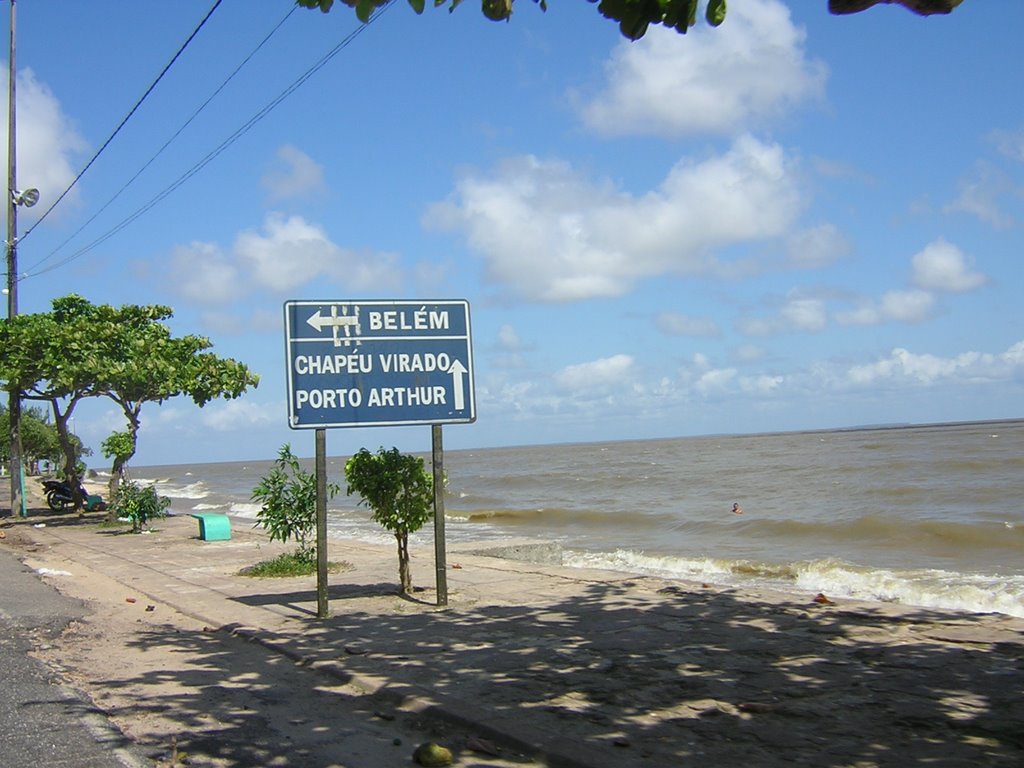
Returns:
(60, 499)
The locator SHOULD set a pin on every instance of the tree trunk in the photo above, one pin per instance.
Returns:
(68, 449)
(404, 575)
(117, 471)
(114, 487)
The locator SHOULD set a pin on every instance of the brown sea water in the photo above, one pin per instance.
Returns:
(930, 515)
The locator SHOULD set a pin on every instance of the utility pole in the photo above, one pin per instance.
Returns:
(14, 409)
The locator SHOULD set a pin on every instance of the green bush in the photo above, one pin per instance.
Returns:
(287, 496)
(289, 564)
(140, 505)
(399, 491)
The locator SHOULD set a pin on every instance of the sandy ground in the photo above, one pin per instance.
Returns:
(529, 665)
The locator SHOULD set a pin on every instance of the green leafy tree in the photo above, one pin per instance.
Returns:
(287, 495)
(39, 439)
(140, 505)
(399, 491)
(635, 16)
(126, 353)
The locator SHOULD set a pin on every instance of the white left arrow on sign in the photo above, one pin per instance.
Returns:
(336, 321)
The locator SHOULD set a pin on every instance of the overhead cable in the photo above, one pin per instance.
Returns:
(125, 120)
(245, 128)
(167, 143)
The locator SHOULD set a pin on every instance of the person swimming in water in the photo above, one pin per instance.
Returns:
(736, 510)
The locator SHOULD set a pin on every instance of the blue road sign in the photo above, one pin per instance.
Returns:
(378, 363)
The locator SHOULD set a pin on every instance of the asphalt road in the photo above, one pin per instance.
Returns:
(42, 721)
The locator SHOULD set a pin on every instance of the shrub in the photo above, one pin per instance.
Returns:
(287, 496)
(399, 491)
(140, 505)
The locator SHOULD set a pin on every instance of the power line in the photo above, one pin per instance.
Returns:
(245, 128)
(167, 143)
(126, 119)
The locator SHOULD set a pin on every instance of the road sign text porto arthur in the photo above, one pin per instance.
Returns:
(377, 397)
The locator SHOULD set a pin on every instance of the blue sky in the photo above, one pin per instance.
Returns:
(794, 221)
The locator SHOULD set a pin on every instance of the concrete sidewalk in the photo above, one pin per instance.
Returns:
(407, 649)
(573, 667)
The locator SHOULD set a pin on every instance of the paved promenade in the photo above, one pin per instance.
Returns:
(566, 667)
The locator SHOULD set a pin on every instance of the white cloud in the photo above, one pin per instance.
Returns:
(797, 313)
(223, 323)
(942, 267)
(749, 353)
(294, 174)
(981, 194)
(714, 381)
(508, 339)
(816, 247)
(804, 315)
(907, 306)
(548, 234)
(904, 366)
(598, 374)
(289, 252)
(676, 324)
(205, 274)
(761, 385)
(711, 81)
(510, 348)
(913, 306)
(47, 143)
(1009, 143)
(231, 415)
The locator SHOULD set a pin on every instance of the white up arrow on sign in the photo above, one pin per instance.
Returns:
(458, 371)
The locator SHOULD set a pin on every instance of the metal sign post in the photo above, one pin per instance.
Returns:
(321, 524)
(440, 564)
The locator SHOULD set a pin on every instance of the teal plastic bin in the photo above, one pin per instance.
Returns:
(213, 526)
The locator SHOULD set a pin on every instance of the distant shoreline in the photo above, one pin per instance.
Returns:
(609, 440)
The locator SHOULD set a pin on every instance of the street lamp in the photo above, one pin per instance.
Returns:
(27, 198)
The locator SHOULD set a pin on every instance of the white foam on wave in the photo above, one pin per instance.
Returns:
(705, 568)
(924, 588)
(242, 509)
(206, 507)
(151, 480)
(166, 486)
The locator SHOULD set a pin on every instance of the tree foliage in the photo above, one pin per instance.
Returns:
(287, 495)
(634, 17)
(39, 439)
(399, 491)
(126, 353)
(140, 504)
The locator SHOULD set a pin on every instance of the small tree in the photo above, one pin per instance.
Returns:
(82, 350)
(118, 446)
(287, 496)
(399, 491)
(39, 439)
(140, 504)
